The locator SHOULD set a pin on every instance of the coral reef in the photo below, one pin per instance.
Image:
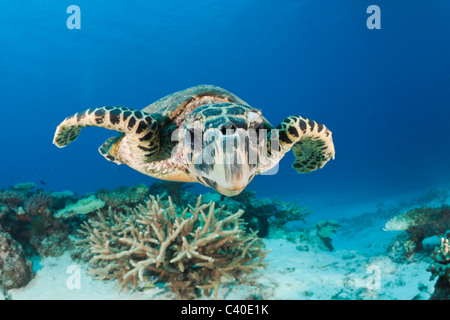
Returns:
(192, 243)
(263, 215)
(441, 269)
(83, 206)
(27, 215)
(190, 248)
(178, 191)
(267, 216)
(421, 223)
(15, 270)
(12, 199)
(61, 199)
(123, 197)
(38, 203)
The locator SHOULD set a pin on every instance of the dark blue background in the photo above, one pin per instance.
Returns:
(384, 93)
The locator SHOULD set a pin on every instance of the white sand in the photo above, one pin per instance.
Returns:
(292, 274)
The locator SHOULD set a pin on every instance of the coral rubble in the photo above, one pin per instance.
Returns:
(190, 248)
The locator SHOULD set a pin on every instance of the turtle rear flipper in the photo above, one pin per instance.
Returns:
(310, 141)
(109, 148)
(139, 127)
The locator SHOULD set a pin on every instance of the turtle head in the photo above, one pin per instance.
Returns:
(220, 144)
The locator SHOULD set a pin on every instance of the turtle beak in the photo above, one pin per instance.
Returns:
(228, 192)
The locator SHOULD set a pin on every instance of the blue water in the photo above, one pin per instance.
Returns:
(384, 93)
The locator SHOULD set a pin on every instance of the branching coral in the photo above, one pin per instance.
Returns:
(191, 249)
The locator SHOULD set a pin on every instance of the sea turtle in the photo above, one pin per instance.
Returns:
(205, 134)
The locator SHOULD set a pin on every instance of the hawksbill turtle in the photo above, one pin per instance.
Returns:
(202, 134)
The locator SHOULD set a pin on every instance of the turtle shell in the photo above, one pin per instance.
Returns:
(173, 108)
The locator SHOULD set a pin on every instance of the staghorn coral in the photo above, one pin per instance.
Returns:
(441, 269)
(191, 249)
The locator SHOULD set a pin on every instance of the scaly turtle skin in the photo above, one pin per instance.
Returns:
(204, 134)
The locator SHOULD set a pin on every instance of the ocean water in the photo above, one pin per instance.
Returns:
(384, 93)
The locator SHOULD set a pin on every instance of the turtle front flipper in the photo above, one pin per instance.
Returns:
(310, 141)
(139, 127)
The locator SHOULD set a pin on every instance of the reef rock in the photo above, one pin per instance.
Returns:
(315, 239)
(15, 270)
